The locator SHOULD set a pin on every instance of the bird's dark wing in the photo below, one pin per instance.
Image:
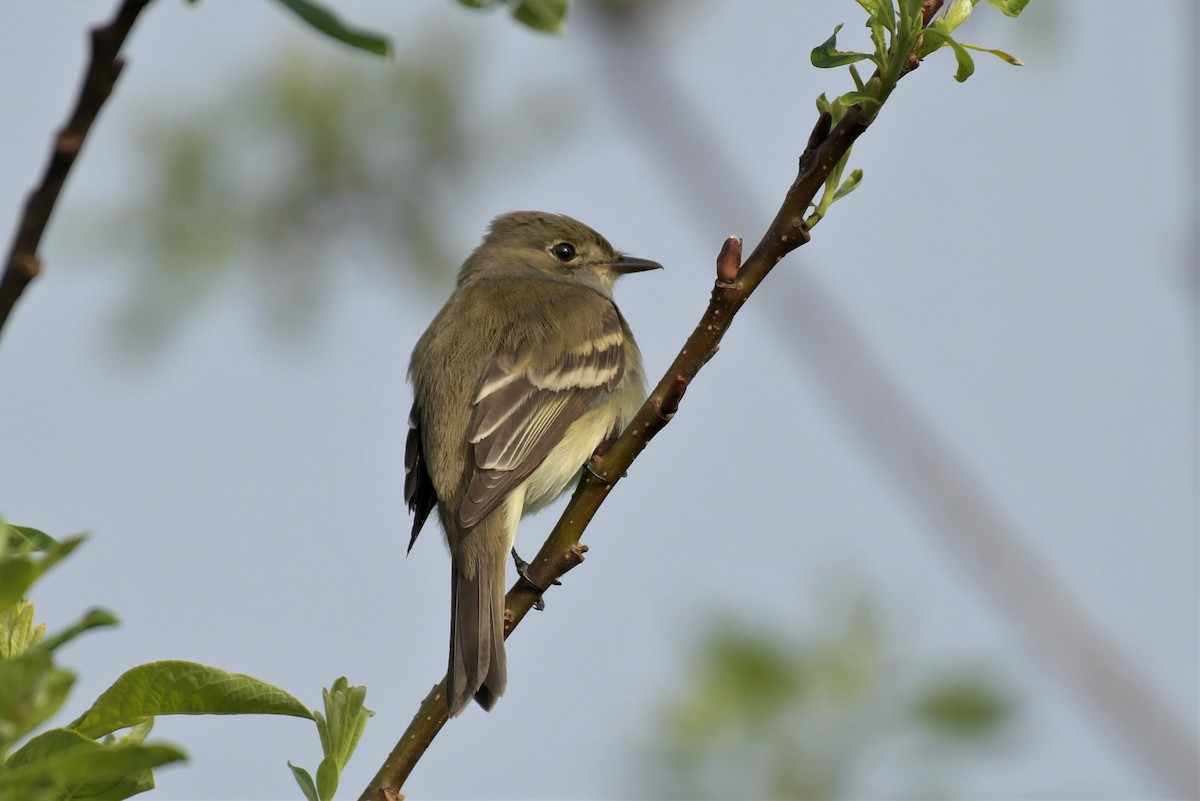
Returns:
(418, 486)
(527, 400)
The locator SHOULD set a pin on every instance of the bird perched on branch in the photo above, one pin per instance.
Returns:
(523, 373)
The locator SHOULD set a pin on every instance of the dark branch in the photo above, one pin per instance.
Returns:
(562, 549)
(23, 264)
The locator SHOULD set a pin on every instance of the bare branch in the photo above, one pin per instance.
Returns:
(23, 264)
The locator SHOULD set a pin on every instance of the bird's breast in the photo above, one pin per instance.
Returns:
(561, 467)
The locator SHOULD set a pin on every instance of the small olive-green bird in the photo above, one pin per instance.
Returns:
(523, 373)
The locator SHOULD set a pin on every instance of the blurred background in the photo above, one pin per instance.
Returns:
(926, 526)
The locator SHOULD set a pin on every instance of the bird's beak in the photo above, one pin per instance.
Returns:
(623, 265)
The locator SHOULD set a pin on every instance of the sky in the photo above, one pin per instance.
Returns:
(1020, 257)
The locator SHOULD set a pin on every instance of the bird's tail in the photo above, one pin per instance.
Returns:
(477, 662)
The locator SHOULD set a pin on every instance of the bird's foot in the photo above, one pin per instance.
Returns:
(589, 466)
(523, 575)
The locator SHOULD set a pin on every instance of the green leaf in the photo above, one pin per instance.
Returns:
(328, 23)
(966, 64)
(327, 778)
(1012, 8)
(17, 631)
(345, 718)
(24, 539)
(19, 571)
(880, 12)
(541, 15)
(183, 688)
(79, 767)
(32, 689)
(849, 185)
(869, 103)
(879, 41)
(137, 734)
(827, 55)
(304, 779)
(94, 618)
(937, 33)
(957, 13)
(910, 12)
(859, 84)
(340, 728)
(1000, 54)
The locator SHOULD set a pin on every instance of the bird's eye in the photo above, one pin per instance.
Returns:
(563, 251)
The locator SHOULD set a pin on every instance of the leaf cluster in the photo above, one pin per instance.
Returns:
(340, 728)
(759, 715)
(900, 40)
(87, 758)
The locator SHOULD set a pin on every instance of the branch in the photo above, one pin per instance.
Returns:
(732, 288)
(891, 426)
(23, 264)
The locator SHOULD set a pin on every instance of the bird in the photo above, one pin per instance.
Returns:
(526, 370)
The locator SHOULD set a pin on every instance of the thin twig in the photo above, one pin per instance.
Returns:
(562, 550)
(23, 264)
(969, 522)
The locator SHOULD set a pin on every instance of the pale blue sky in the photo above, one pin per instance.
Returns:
(1018, 253)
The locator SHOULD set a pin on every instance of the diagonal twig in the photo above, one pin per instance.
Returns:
(732, 288)
(894, 430)
(23, 264)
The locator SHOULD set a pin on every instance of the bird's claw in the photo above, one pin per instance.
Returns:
(523, 575)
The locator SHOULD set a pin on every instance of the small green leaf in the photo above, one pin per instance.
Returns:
(82, 768)
(17, 631)
(910, 12)
(541, 15)
(23, 539)
(304, 779)
(880, 12)
(1012, 8)
(869, 103)
(826, 55)
(328, 23)
(879, 41)
(849, 185)
(137, 734)
(183, 688)
(475, 4)
(957, 13)
(859, 83)
(966, 64)
(323, 733)
(32, 689)
(1000, 54)
(94, 618)
(327, 778)
(19, 571)
(345, 718)
(937, 33)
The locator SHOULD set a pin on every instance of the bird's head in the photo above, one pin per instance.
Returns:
(553, 245)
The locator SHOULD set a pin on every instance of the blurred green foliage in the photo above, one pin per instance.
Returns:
(540, 15)
(317, 167)
(276, 183)
(761, 717)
